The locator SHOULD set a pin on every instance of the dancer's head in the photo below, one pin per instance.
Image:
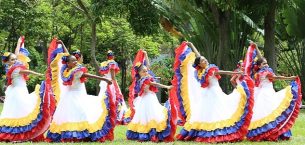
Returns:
(71, 61)
(201, 62)
(240, 65)
(141, 69)
(9, 58)
(262, 62)
(78, 56)
(110, 55)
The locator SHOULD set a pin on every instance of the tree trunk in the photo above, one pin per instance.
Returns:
(44, 48)
(269, 23)
(302, 75)
(93, 60)
(223, 56)
(123, 77)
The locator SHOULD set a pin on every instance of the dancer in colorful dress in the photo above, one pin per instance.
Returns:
(25, 116)
(150, 121)
(209, 114)
(237, 78)
(78, 116)
(274, 113)
(110, 69)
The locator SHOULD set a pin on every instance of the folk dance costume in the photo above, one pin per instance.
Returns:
(105, 69)
(274, 113)
(149, 120)
(209, 114)
(78, 116)
(25, 116)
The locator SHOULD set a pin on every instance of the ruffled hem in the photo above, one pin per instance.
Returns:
(101, 130)
(58, 137)
(183, 56)
(119, 103)
(232, 133)
(145, 128)
(36, 127)
(165, 134)
(249, 60)
(271, 131)
(106, 66)
(106, 133)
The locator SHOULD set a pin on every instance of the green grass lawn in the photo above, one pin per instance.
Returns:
(298, 138)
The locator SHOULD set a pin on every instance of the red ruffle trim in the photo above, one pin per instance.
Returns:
(249, 59)
(41, 127)
(208, 75)
(112, 114)
(118, 92)
(114, 67)
(264, 73)
(139, 58)
(274, 134)
(174, 115)
(240, 134)
(82, 79)
(174, 82)
(11, 70)
(111, 66)
(52, 47)
(151, 87)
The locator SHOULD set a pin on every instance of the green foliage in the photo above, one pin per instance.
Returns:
(143, 16)
(164, 70)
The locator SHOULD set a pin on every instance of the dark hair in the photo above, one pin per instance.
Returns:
(110, 53)
(6, 58)
(197, 61)
(139, 68)
(260, 61)
(77, 54)
(66, 59)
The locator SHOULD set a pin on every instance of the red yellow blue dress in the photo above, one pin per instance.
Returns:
(209, 115)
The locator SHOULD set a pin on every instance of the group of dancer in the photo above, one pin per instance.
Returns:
(60, 110)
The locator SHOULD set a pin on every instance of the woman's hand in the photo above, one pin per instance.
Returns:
(20, 40)
(59, 41)
(109, 82)
(189, 43)
(145, 52)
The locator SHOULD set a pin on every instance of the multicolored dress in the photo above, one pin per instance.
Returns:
(25, 116)
(149, 120)
(78, 116)
(114, 88)
(209, 115)
(274, 113)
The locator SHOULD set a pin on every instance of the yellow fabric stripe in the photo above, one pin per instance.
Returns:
(100, 122)
(145, 128)
(209, 126)
(81, 126)
(55, 75)
(184, 87)
(17, 122)
(128, 113)
(276, 113)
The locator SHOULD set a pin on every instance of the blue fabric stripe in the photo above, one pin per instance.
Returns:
(33, 124)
